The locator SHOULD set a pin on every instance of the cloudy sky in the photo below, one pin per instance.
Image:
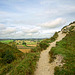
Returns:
(34, 18)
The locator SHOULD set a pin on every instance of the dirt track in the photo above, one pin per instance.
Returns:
(43, 65)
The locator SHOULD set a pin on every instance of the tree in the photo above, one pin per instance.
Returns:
(24, 43)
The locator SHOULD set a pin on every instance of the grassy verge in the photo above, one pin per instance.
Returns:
(66, 48)
(27, 66)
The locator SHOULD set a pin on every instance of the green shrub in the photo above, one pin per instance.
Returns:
(51, 53)
(7, 56)
(36, 49)
(6, 69)
(24, 43)
(54, 37)
(43, 45)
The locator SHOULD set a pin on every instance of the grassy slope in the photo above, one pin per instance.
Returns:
(5, 67)
(5, 47)
(66, 48)
(23, 64)
(27, 65)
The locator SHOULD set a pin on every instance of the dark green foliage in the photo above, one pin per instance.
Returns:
(51, 53)
(6, 47)
(36, 49)
(24, 43)
(54, 36)
(7, 57)
(43, 45)
(66, 48)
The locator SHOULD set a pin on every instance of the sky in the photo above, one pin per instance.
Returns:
(34, 18)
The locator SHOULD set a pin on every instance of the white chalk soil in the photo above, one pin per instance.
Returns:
(43, 65)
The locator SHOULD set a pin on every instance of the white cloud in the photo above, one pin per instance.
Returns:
(2, 26)
(30, 30)
(29, 34)
(34, 21)
(9, 30)
(49, 31)
(53, 24)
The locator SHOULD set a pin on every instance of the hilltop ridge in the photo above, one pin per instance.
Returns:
(63, 54)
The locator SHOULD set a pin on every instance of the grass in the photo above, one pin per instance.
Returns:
(5, 54)
(66, 48)
(31, 43)
(6, 41)
(24, 64)
(25, 50)
(27, 66)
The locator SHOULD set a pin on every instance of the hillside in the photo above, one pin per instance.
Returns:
(14, 62)
(56, 56)
(65, 50)
(4, 47)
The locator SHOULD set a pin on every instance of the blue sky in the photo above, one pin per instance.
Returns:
(34, 18)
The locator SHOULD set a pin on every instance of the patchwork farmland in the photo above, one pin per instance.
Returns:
(26, 45)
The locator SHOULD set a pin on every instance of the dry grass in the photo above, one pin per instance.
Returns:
(32, 45)
(25, 50)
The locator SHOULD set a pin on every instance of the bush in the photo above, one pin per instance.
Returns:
(43, 45)
(24, 43)
(7, 57)
(36, 49)
(54, 37)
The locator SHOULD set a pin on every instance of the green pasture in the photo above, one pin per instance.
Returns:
(6, 41)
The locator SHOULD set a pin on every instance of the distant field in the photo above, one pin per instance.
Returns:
(31, 42)
(25, 50)
(32, 45)
(20, 47)
(6, 41)
(28, 42)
